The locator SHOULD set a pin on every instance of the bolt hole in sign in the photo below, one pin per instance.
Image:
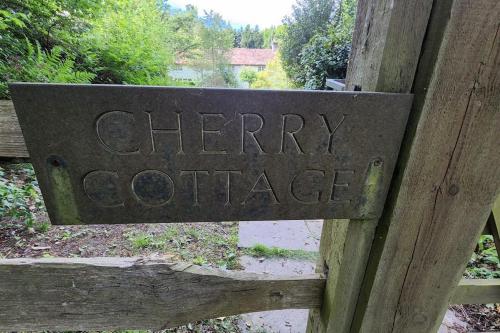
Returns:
(133, 154)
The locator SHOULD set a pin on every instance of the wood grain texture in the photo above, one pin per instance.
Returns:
(472, 291)
(344, 249)
(131, 293)
(446, 186)
(386, 44)
(11, 138)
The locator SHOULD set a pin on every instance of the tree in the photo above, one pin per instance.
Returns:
(101, 41)
(323, 52)
(40, 41)
(237, 37)
(180, 38)
(307, 18)
(131, 39)
(216, 40)
(268, 35)
(248, 75)
(273, 77)
(321, 58)
(252, 38)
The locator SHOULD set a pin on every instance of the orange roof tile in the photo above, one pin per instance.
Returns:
(242, 57)
(249, 57)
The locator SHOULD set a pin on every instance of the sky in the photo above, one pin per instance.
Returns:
(263, 13)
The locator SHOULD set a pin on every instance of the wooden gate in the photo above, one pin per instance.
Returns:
(398, 232)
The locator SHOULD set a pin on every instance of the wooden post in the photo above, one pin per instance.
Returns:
(386, 44)
(344, 250)
(447, 177)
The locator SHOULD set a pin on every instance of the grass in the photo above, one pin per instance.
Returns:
(197, 243)
(140, 240)
(260, 250)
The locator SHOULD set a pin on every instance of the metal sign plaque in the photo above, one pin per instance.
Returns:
(130, 154)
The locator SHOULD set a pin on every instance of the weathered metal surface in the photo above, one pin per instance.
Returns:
(125, 154)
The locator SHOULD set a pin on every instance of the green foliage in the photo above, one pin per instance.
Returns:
(237, 37)
(316, 41)
(484, 263)
(9, 20)
(273, 77)
(252, 38)
(41, 66)
(268, 36)
(140, 241)
(122, 41)
(321, 58)
(48, 23)
(40, 41)
(199, 260)
(216, 38)
(191, 243)
(181, 25)
(20, 196)
(43, 227)
(307, 18)
(130, 38)
(260, 250)
(248, 75)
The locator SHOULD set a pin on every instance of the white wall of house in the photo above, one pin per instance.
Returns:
(185, 73)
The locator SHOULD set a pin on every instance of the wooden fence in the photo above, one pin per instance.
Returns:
(397, 274)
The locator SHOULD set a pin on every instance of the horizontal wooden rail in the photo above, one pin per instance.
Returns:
(477, 291)
(131, 293)
(11, 138)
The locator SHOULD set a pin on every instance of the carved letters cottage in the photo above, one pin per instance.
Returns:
(147, 154)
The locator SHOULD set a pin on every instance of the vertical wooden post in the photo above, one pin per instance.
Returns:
(344, 249)
(448, 174)
(386, 45)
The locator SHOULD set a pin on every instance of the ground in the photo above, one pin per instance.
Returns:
(288, 248)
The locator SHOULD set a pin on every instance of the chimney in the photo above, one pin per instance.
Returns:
(274, 45)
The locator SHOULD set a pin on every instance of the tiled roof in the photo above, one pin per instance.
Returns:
(243, 57)
(249, 57)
